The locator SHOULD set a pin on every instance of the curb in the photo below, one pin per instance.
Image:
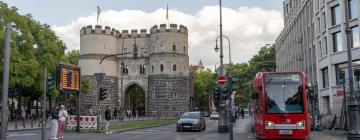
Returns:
(130, 129)
(27, 129)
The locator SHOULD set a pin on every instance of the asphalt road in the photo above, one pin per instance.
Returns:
(156, 133)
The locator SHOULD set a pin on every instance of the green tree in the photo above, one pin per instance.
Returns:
(204, 84)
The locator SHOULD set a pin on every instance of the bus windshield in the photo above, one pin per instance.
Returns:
(284, 94)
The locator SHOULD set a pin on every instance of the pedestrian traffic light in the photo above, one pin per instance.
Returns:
(102, 93)
(50, 84)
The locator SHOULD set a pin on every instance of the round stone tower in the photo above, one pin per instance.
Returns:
(95, 43)
(168, 84)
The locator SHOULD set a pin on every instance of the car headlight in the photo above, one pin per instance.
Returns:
(196, 122)
(269, 123)
(300, 123)
(178, 122)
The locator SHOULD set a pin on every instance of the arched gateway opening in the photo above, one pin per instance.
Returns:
(135, 100)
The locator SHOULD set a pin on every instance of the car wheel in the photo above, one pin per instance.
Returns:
(177, 129)
(204, 128)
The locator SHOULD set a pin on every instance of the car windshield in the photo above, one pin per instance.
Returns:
(284, 93)
(214, 113)
(190, 115)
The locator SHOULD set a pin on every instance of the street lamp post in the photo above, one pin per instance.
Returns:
(222, 127)
(217, 48)
(353, 113)
(5, 86)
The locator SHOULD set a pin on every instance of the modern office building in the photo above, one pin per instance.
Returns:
(314, 41)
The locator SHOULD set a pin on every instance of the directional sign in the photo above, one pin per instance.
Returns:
(221, 80)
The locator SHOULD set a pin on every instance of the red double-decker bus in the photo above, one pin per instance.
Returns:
(280, 105)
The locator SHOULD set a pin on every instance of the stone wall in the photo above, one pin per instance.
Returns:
(89, 100)
(168, 95)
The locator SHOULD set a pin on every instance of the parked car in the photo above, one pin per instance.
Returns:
(205, 114)
(191, 121)
(214, 115)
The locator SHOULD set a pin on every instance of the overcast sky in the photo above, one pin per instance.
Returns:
(249, 24)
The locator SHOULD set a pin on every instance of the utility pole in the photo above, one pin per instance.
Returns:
(222, 125)
(353, 113)
(44, 107)
(5, 88)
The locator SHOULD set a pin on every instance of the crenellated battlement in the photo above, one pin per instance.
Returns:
(134, 32)
(172, 28)
(99, 30)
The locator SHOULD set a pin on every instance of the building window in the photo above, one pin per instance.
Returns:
(319, 25)
(125, 70)
(353, 9)
(174, 67)
(321, 50)
(152, 68)
(184, 49)
(337, 42)
(174, 47)
(125, 50)
(153, 49)
(142, 69)
(335, 15)
(324, 20)
(325, 77)
(355, 36)
(325, 46)
(142, 51)
(340, 73)
(162, 47)
(161, 68)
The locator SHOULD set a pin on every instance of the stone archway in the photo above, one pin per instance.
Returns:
(134, 100)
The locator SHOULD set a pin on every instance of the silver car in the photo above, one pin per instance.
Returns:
(191, 121)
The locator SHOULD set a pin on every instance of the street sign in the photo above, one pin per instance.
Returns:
(221, 80)
(69, 77)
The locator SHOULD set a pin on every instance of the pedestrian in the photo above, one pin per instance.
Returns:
(107, 120)
(23, 117)
(91, 112)
(115, 113)
(63, 115)
(54, 114)
(242, 113)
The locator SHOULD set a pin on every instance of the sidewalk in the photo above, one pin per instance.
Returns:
(328, 135)
(28, 126)
(37, 125)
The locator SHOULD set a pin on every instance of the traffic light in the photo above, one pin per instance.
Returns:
(216, 93)
(232, 86)
(50, 85)
(102, 93)
(311, 91)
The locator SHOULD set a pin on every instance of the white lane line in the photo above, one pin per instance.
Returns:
(19, 135)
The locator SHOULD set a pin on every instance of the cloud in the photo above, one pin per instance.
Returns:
(247, 28)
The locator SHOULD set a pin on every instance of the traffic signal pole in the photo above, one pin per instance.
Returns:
(222, 126)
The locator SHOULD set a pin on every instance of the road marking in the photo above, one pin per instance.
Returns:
(19, 135)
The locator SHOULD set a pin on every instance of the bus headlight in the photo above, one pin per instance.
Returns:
(269, 123)
(300, 124)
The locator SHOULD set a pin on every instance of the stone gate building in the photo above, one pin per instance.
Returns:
(161, 69)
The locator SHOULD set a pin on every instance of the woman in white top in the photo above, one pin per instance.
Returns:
(63, 114)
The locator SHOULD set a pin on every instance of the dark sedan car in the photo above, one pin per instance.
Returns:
(191, 121)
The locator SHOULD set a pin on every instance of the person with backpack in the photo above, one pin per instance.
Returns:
(54, 114)
(107, 120)
(63, 115)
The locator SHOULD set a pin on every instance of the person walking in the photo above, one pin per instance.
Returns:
(242, 112)
(23, 117)
(54, 114)
(107, 120)
(63, 114)
(115, 113)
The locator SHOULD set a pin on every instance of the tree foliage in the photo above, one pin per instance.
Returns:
(34, 46)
